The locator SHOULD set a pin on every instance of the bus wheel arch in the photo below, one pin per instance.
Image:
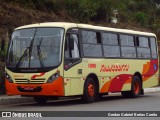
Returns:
(136, 87)
(90, 82)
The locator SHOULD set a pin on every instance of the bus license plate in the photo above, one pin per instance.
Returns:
(28, 88)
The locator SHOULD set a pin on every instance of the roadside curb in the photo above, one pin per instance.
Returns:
(4, 99)
(14, 99)
(155, 89)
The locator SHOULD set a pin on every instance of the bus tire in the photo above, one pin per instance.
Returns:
(90, 91)
(40, 100)
(136, 88)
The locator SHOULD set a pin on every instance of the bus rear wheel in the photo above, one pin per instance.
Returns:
(90, 91)
(136, 88)
(40, 100)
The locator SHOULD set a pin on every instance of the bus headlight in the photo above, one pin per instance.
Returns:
(9, 78)
(53, 77)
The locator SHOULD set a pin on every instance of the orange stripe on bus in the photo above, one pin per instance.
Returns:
(128, 81)
(146, 68)
(105, 87)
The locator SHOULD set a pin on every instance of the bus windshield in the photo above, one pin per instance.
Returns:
(35, 48)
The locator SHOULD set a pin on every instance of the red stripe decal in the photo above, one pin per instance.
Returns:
(34, 76)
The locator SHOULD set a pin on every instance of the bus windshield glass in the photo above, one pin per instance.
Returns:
(35, 48)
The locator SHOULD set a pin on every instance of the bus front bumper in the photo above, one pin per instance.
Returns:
(56, 88)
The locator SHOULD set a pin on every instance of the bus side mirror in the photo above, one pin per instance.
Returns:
(71, 43)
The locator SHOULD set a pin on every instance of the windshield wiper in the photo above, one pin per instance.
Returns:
(23, 55)
(40, 53)
(30, 51)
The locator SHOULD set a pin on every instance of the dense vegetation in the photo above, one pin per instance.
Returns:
(142, 12)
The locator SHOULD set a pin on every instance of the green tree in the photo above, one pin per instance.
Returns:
(141, 18)
(83, 10)
(105, 10)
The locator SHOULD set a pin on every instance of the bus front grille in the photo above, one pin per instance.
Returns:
(30, 81)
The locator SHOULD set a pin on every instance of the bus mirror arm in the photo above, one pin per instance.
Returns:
(71, 44)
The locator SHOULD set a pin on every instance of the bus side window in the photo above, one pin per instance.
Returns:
(143, 47)
(91, 43)
(71, 52)
(110, 45)
(153, 47)
(128, 49)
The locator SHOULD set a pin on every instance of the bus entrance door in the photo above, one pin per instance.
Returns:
(72, 66)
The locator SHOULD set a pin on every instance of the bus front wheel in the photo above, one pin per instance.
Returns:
(40, 100)
(136, 88)
(90, 91)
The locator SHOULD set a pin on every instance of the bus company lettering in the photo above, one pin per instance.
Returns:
(114, 68)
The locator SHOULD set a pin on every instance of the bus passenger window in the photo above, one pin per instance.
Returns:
(143, 49)
(110, 45)
(128, 49)
(92, 44)
(153, 47)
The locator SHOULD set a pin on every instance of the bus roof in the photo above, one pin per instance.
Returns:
(49, 24)
(67, 25)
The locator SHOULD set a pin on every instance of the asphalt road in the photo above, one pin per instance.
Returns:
(148, 102)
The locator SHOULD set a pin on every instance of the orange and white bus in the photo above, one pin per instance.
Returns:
(66, 59)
